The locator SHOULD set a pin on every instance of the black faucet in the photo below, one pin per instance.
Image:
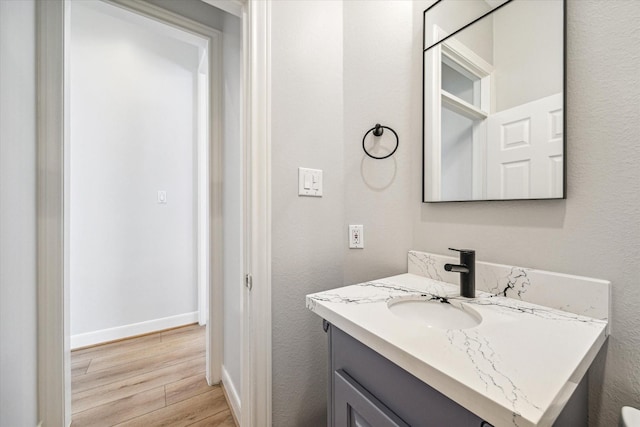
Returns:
(467, 270)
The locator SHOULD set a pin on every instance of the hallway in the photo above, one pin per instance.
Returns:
(156, 379)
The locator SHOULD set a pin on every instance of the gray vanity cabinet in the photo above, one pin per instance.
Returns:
(356, 407)
(368, 390)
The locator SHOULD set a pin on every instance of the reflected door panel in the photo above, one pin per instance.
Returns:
(526, 162)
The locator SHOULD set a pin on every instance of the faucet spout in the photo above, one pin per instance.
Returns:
(467, 270)
(456, 268)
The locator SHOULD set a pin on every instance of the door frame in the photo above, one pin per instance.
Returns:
(207, 164)
(434, 96)
(209, 227)
(54, 399)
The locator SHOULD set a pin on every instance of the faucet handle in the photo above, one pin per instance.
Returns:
(464, 251)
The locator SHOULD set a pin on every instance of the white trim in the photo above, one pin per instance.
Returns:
(232, 393)
(461, 106)
(464, 60)
(164, 16)
(67, 215)
(201, 229)
(256, 327)
(432, 124)
(53, 361)
(133, 329)
(215, 330)
(246, 371)
(479, 161)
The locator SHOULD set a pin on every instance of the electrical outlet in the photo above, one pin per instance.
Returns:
(356, 237)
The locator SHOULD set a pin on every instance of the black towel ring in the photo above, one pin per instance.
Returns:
(378, 130)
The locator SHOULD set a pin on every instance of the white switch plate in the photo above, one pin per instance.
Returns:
(162, 197)
(356, 237)
(309, 182)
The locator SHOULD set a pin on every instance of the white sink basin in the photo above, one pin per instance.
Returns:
(436, 313)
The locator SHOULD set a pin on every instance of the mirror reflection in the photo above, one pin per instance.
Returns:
(493, 104)
(452, 15)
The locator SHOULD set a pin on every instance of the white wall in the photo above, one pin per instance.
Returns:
(132, 134)
(527, 68)
(456, 139)
(451, 16)
(307, 232)
(18, 363)
(457, 156)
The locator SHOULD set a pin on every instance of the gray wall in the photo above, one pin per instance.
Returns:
(18, 393)
(307, 232)
(195, 9)
(595, 232)
(377, 87)
(321, 109)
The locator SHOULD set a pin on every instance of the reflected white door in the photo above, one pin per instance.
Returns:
(525, 151)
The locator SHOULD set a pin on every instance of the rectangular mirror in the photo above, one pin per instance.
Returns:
(493, 101)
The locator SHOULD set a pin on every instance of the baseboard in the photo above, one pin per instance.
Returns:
(125, 331)
(232, 395)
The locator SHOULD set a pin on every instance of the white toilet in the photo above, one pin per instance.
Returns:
(630, 417)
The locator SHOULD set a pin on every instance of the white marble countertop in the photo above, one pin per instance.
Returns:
(518, 367)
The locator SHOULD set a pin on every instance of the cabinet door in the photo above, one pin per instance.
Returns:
(354, 406)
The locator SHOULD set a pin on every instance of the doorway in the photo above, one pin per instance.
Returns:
(144, 176)
(52, 129)
(138, 196)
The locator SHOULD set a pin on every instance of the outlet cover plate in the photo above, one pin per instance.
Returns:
(356, 237)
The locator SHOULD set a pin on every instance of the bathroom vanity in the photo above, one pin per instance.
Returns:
(408, 350)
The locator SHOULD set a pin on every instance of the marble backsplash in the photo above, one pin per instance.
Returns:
(579, 295)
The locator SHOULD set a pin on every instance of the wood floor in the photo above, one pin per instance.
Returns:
(154, 380)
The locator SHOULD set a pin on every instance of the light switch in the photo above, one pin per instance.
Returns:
(309, 182)
(162, 197)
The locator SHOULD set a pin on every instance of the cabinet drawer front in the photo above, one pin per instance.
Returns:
(356, 407)
(415, 402)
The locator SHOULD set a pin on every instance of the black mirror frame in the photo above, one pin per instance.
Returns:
(564, 102)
